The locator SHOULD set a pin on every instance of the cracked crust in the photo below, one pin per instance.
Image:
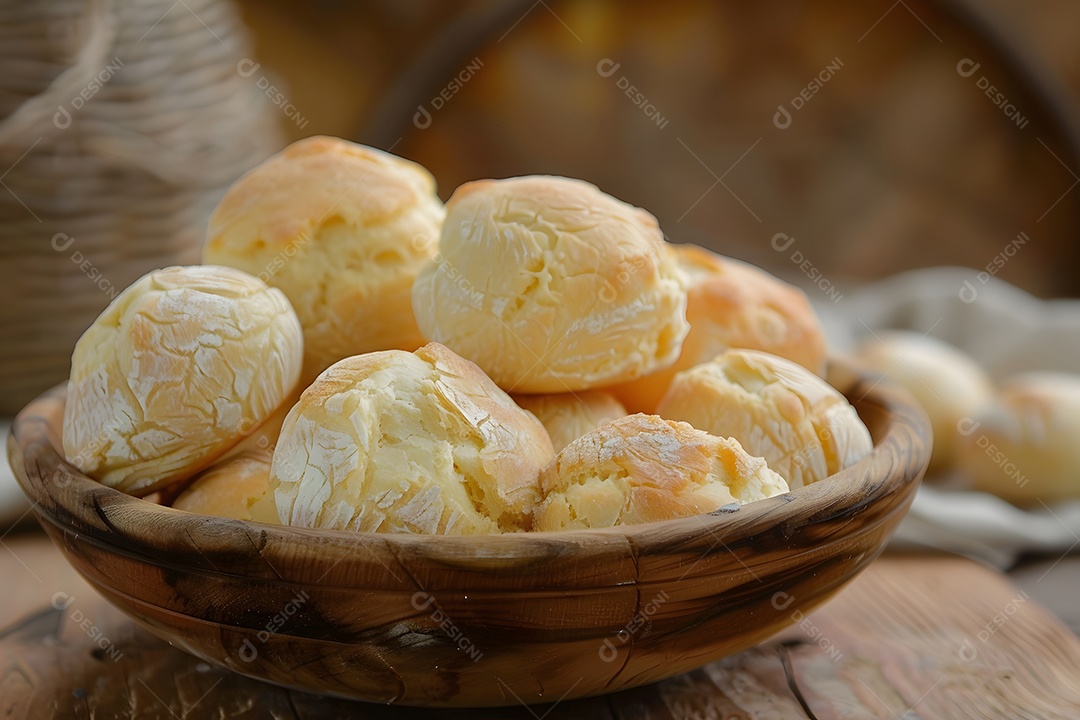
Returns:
(418, 442)
(642, 468)
(342, 230)
(551, 286)
(803, 427)
(174, 372)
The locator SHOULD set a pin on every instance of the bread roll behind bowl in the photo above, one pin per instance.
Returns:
(174, 371)
(550, 286)
(731, 304)
(418, 442)
(342, 229)
(801, 425)
(948, 384)
(1025, 445)
(568, 416)
(642, 468)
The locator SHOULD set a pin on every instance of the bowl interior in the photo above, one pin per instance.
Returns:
(480, 620)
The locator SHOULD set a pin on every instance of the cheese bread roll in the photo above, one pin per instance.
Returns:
(1024, 446)
(642, 468)
(948, 384)
(342, 229)
(177, 370)
(803, 427)
(418, 442)
(551, 286)
(568, 416)
(731, 304)
(235, 488)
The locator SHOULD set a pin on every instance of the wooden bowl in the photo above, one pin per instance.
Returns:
(483, 620)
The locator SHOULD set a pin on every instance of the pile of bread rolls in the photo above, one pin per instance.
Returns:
(353, 354)
(1019, 440)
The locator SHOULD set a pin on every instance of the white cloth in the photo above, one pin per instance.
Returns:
(1007, 331)
(13, 504)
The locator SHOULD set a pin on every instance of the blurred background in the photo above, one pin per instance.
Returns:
(863, 130)
(832, 143)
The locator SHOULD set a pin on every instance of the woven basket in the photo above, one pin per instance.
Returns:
(121, 124)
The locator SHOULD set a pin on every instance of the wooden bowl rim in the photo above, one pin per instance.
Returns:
(127, 524)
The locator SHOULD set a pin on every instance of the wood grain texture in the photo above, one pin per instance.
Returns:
(471, 621)
(905, 639)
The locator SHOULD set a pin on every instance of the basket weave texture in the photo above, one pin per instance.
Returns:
(121, 125)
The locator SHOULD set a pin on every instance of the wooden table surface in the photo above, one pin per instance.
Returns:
(912, 637)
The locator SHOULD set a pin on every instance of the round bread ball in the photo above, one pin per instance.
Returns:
(641, 468)
(948, 384)
(800, 424)
(1025, 445)
(731, 304)
(342, 229)
(403, 442)
(568, 416)
(175, 372)
(550, 286)
(236, 488)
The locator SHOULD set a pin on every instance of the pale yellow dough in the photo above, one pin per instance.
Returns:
(1025, 445)
(568, 416)
(403, 442)
(173, 374)
(801, 425)
(342, 229)
(642, 468)
(551, 286)
(731, 304)
(948, 384)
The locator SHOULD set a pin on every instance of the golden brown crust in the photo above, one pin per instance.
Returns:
(230, 489)
(642, 468)
(416, 442)
(568, 416)
(803, 427)
(342, 229)
(171, 375)
(288, 194)
(551, 286)
(731, 304)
